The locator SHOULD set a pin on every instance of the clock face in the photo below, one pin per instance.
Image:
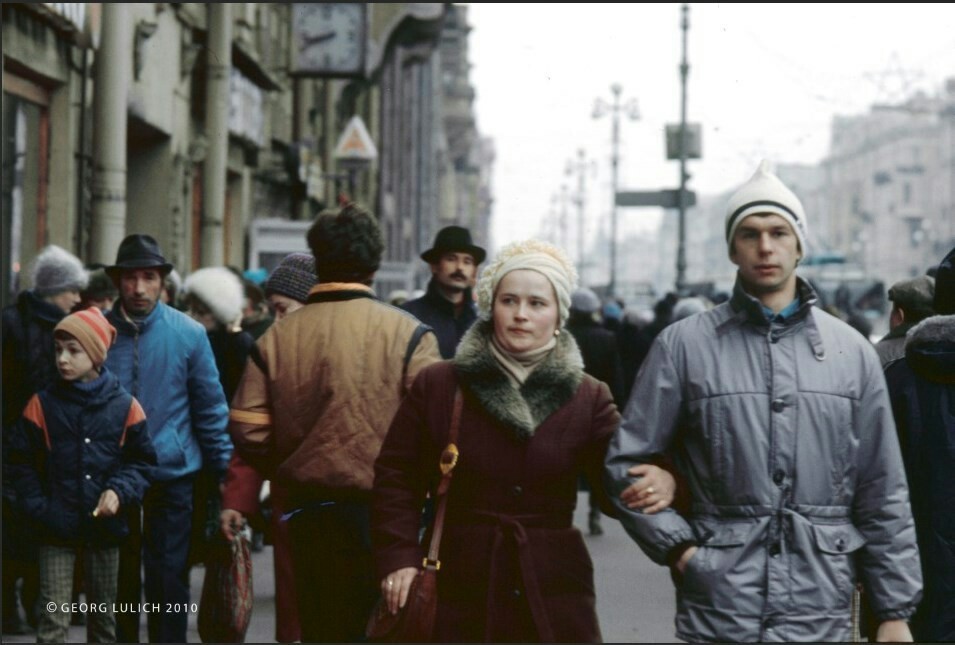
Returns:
(328, 38)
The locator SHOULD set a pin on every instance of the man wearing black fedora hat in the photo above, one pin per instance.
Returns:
(447, 306)
(163, 357)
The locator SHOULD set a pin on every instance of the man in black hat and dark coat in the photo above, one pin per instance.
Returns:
(163, 357)
(448, 306)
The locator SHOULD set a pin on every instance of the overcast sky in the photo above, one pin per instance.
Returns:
(765, 81)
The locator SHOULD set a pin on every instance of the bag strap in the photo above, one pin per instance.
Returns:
(449, 459)
(419, 331)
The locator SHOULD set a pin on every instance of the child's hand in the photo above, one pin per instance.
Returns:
(108, 504)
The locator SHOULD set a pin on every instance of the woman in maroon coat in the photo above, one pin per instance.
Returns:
(513, 567)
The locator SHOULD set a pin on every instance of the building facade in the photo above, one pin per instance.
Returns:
(200, 133)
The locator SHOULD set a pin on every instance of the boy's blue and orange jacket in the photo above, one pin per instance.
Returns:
(74, 441)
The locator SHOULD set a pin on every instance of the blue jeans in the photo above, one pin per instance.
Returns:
(160, 544)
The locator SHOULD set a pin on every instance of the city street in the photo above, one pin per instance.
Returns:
(634, 596)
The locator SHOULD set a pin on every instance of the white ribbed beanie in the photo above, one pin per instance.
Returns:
(765, 193)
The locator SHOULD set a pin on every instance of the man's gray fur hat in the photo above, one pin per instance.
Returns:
(56, 270)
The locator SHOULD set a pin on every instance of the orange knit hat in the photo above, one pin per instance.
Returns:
(92, 330)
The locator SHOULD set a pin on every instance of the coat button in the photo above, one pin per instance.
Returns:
(89, 477)
(517, 593)
(517, 491)
(87, 440)
(779, 477)
(779, 405)
(774, 549)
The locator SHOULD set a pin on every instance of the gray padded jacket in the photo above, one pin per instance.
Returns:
(785, 436)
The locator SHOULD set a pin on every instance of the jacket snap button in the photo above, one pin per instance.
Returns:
(779, 405)
(89, 477)
(87, 440)
(778, 477)
(840, 544)
(775, 550)
(517, 491)
(517, 593)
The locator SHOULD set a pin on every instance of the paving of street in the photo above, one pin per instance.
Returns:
(634, 596)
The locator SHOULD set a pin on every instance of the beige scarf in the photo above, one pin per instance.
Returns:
(517, 367)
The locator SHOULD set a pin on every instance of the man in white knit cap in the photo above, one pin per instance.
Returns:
(778, 417)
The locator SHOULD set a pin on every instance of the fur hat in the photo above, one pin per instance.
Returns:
(56, 270)
(765, 193)
(585, 301)
(91, 329)
(294, 277)
(218, 289)
(535, 255)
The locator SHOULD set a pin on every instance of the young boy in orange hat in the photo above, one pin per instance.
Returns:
(80, 452)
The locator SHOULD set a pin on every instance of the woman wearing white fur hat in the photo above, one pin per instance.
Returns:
(513, 567)
(214, 297)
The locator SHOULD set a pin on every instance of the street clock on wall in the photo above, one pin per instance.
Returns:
(328, 39)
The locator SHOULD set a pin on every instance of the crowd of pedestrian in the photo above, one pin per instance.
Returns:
(772, 457)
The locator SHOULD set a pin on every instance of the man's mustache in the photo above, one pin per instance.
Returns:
(459, 275)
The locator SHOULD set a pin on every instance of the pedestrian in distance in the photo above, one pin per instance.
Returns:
(513, 567)
(286, 290)
(312, 410)
(213, 297)
(777, 416)
(163, 358)
(80, 453)
(912, 302)
(598, 348)
(448, 305)
(29, 366)
(922, 389)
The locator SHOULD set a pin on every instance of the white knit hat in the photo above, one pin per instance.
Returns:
(220, 290)
(765, 193)
(534, 255)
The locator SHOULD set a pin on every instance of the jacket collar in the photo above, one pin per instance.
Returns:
(550, 386)
(751, 309)
(126, 326)
(744, 309)
(339, 291)
(435, 299)
(30, 303)
(93, 392)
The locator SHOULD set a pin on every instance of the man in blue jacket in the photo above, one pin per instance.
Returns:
(448, 307)
(163, 358)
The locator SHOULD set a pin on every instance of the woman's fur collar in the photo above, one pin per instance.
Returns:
(551, 385)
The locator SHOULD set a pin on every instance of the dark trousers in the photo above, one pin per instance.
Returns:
(334, 574)
(159, 544)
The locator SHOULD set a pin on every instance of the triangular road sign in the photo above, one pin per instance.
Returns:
(355, 144)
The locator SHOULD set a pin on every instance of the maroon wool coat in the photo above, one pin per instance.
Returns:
(513, 567)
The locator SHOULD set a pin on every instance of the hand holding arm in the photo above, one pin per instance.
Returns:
(652, 492)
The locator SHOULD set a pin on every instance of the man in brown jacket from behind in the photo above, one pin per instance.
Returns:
(312, 411)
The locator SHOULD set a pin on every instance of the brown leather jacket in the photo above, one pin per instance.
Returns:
(321, 389)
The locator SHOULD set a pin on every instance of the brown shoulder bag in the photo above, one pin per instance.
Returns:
(414, 623)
